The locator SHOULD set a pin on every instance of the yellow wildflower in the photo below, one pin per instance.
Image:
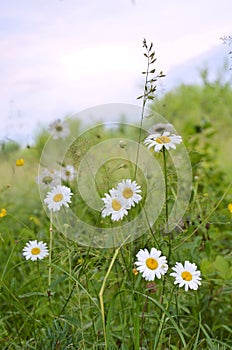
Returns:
(35, 220)
(80, 261)
(3, 213)
(135, 271)
(230, 207)
(20, 162)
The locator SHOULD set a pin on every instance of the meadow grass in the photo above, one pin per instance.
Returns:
(92, 296)
(68, 314)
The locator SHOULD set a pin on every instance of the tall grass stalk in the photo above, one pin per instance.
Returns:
(50, 254)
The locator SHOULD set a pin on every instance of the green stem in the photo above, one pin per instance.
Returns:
(166, 185)
(166, 203)
(166, 218)
(101, 293)
(50, 254)
(142, 321)
(142, 114)
(160, 330)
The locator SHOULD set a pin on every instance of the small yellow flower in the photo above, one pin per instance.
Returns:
(135, 271)
(230, 207)
(3, 213)
(20, 162)
(35, 220)
(80, 261)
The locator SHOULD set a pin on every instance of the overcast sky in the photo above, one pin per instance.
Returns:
(62, 56)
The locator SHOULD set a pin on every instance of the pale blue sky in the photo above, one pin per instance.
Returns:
(62, 56)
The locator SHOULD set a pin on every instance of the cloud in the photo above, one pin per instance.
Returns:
(63, 56)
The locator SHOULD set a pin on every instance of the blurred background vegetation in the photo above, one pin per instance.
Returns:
(202, 114)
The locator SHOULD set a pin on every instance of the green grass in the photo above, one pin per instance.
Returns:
(95, 301)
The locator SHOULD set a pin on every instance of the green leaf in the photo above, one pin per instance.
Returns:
(222, 266)
(73, 321)
(207, 267)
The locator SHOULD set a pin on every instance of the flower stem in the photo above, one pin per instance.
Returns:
(166, 219)
(101, 293)
(162, 322)
(166, 186)
(166, 203)
(142, 322)
(50, 254)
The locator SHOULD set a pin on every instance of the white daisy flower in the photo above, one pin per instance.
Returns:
(114, 206)
(59, 129)
(128, 192)
(58, 196)
(68, 173)
(166, 139)
(35, 250)
(151, 264)
(187, 275)
(48, 178)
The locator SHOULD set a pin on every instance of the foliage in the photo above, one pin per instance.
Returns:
(130, 313)
(203, 112)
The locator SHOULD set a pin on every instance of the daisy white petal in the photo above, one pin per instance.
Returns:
(128, 192)
(48, 178)
(57, 197)
(68, 173)
(166, 140)
(114, 206)
(186, 275)
(58, 129)
(35, 250)
(151, 264)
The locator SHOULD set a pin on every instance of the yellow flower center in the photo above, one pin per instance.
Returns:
(67, 173)
(116, 205)
(152, 263)
(58, 197)
(187, 276)
(35, 251)
(127, 193)
(47, 180)
(163, 139)
(59, 128)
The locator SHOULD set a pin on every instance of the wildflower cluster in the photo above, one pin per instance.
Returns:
(51, 177)
(120, 200)
(57, 196)
(153, 265)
